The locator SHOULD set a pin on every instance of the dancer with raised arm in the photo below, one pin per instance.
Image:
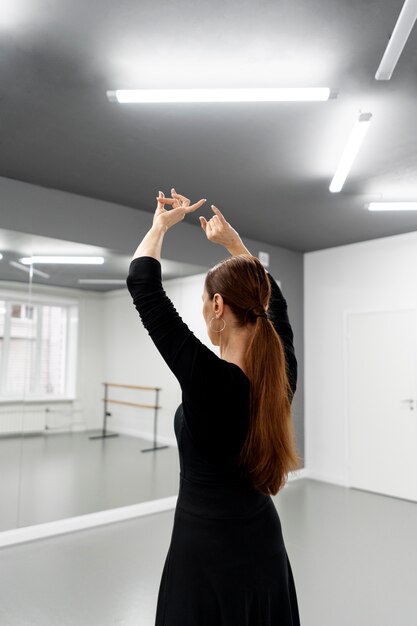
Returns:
(227, 564)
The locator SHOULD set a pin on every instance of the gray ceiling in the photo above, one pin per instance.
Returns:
(268, 166)
(14, 246)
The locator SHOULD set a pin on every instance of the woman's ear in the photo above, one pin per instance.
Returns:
(218, 304)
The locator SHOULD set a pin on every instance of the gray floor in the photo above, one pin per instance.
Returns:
(353, 554)
(44, 478)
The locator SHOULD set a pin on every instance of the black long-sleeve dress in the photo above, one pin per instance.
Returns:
(227, 564)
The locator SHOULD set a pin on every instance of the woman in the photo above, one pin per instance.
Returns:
(227, 564)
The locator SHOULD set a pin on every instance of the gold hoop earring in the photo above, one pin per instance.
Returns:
(213, 329)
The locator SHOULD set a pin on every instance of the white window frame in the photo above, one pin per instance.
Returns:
(15, 297)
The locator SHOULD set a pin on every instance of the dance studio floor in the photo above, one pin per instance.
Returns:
(353, 555)
(44, 478)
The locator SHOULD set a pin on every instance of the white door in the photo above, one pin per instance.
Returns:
(381, 397)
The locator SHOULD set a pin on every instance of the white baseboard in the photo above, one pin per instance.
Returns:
(301, 473)
(59, 527)
(324, 477)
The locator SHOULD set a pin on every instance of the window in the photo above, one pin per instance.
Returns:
(36, 349)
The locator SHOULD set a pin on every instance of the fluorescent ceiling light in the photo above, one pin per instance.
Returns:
(77, 260)
(23, 268)
(392, 206)
(102, 281)
(1, 256)
(351, 150)
(397, 40)
(297, 94)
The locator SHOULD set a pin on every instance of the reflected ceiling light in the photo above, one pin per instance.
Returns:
(397, 40)
(70, 260)
(392, 206)
(351, 150)
(296, 94)
(102, 281)
(1, 256)
(23, 268)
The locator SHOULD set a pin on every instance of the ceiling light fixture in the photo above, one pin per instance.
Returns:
(397, 40)
(392, 206)
(70, 260)
(23, 268)
(280, 94)
(351, 150)
(1, 256)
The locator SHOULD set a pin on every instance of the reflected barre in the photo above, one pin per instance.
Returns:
(106, 414)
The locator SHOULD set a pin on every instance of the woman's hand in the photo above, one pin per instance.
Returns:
(218, 230)
(151, 244)
(180, 207)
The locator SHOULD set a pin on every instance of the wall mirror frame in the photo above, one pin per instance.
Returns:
(71, 460)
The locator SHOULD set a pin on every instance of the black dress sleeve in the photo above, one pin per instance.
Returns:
(187, 357)
(278, 314)
(204, 377)
(174, 340)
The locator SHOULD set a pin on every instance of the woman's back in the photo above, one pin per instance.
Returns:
(227, 564)
(210, 436)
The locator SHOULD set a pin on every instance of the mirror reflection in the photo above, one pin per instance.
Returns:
(65, 347)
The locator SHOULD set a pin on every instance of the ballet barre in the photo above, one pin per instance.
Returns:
(107, 414)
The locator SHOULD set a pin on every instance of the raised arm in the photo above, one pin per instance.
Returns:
(171, 335)
(278, 314)
(219, 231)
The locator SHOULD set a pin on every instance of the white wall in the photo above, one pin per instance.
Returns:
(372, 275)
(90, 359)
(131, 358)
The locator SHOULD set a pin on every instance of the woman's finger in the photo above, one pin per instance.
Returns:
(203, 223)
(214, 222)
(167, 200)
(178, 195)
(218, 214)
(195, 206)
(160, 199)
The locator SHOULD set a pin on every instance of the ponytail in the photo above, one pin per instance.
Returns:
(269, 452)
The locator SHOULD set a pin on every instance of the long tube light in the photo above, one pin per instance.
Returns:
(296, 94)
(351, 150)
(70, 260)
(397, 40)
(392, 206)
(29, 270)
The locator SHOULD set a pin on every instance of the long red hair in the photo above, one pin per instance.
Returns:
(269, 452)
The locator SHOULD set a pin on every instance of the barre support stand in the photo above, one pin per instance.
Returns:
(155, 422)
(104, 433)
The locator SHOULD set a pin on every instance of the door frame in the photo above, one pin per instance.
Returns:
(346, 315)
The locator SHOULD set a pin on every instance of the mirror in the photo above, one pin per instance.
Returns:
(65, 330)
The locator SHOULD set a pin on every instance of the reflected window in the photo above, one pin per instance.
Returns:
(21, 353)
(36, 344)
(53, 350)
